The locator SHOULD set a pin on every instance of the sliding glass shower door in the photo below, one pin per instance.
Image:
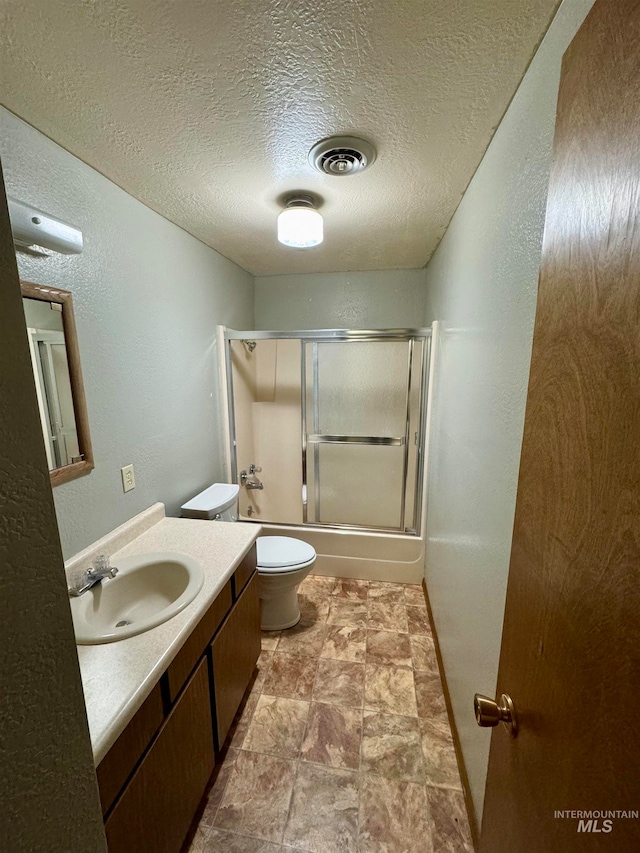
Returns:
(361, 423)
(332, 421)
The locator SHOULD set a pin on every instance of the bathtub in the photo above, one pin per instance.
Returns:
(392, 557)
(368, 555)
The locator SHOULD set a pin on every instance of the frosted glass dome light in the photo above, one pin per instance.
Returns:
(299, 224)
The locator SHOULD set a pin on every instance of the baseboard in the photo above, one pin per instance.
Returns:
(471, 812)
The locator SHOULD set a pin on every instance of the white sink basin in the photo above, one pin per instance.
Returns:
(148, 590)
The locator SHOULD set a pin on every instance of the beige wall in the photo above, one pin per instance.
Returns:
(147, 298)
(266, 386)
(354, 300)
(481, 285)
(244, 395)
(277, 429)
(48, 791)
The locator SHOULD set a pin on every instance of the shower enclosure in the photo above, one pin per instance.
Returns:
(333, 422)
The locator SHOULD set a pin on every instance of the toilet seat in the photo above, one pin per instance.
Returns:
(283, 554)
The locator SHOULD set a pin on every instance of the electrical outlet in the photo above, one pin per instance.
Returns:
(128, 478)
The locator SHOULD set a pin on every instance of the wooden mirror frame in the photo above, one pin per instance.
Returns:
(30, 290)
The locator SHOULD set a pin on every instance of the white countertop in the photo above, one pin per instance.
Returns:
(118, 677)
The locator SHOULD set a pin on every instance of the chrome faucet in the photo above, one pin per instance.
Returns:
(93, 575)
(250, 481)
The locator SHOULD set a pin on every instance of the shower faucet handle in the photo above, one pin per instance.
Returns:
(254, 469)
(250, 481)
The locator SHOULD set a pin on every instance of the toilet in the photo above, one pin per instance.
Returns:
(283, 562)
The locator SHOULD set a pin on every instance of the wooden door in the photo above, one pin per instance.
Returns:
(571, 641)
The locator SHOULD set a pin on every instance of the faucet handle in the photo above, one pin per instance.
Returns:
(77, 580)
(255, 469)
(100, 564)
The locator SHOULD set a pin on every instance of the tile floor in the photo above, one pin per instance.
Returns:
(343, 745)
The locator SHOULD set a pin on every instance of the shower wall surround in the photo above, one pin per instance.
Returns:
(482, 286)
(147, 299)
(266, 393)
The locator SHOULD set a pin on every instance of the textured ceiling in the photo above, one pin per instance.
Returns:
(205, 109)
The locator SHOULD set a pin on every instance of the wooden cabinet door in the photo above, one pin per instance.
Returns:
(156, 808)
(570, 654)
(197, 644)
(119, 763)
(235, 651)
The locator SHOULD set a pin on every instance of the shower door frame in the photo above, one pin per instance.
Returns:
(315, 336)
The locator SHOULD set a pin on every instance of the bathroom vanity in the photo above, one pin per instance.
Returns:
(160, 704)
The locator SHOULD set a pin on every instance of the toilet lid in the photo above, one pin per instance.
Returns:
(279, 552)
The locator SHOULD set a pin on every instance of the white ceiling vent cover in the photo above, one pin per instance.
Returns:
(342, 155)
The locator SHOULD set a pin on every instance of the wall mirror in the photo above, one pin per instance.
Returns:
(55, 359)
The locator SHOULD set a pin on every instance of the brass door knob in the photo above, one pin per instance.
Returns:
(489, 712)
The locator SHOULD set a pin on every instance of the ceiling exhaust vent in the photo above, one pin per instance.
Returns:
(342, 155)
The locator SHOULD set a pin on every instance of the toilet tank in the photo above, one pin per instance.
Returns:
(217, 503)
(229, 514)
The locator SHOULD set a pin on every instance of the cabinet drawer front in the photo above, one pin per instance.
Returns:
(118, 764)
(155, 811)
(196, 645)
(235, 652)
(244, 571)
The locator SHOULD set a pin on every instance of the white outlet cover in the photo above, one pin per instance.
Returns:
(128, 478)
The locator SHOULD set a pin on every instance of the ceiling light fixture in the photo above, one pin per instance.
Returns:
(299, 224)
